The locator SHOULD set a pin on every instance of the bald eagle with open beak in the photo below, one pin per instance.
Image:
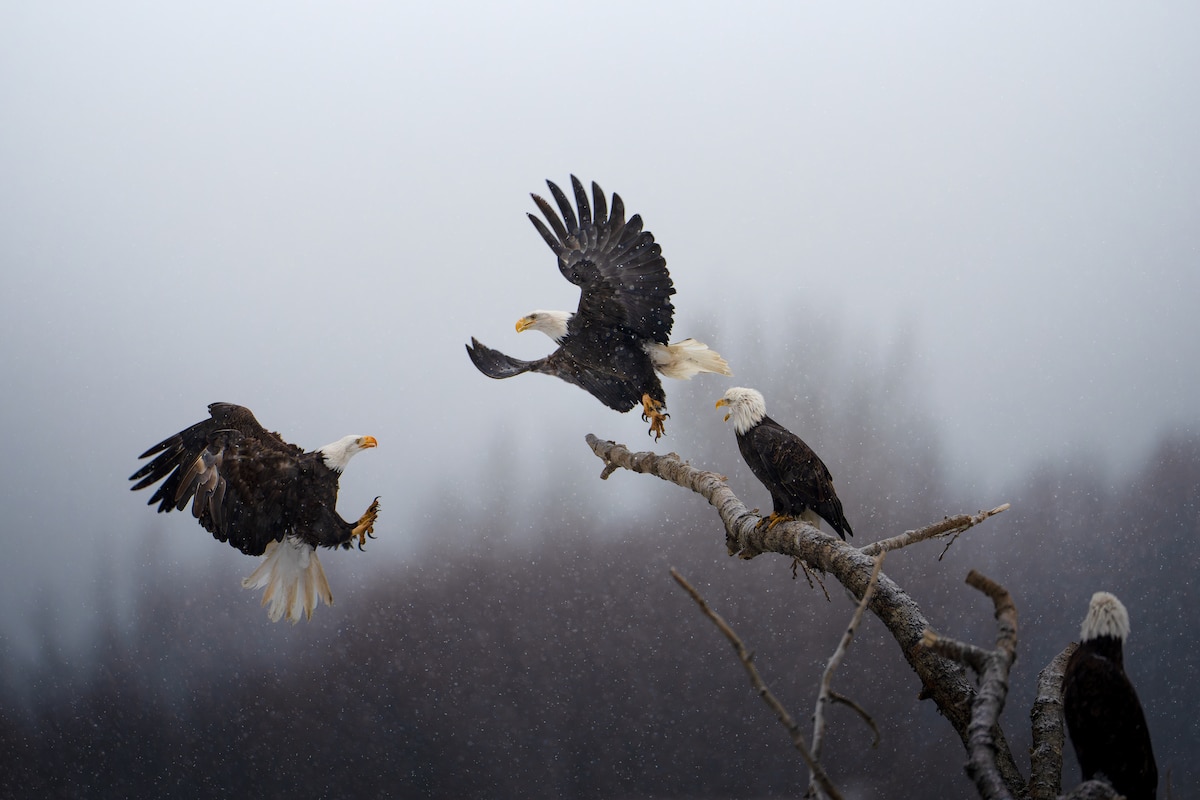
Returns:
(250, 488)
(615, 344)
(799, 482)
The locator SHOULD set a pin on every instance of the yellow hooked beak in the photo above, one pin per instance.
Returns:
(523, 324)
(367, 441)
(723, 402)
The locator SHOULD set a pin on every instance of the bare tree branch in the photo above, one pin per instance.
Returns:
(962, 652)
(760, 686)
(825, 695)
(993, 668)
(1046, 716)
(942, 679)
(949, 526)
(834, 697)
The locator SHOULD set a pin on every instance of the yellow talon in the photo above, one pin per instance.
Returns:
(366, 524)
(774, 520)
(652, 412)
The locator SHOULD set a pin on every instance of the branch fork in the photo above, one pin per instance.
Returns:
(942, 679)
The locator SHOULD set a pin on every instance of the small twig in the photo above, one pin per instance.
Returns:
(1046, 717)
(810, 576)
(862, 713)
(950, 525)
(747, 659)
(824, 696)
(952, 540)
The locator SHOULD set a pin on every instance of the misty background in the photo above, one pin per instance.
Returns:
(956, 249)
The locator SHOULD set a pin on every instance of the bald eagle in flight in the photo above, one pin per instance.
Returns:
(249, 487)
(1104, 716)
(616, 341)
(799, 482)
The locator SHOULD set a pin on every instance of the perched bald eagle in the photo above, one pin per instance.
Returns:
(799, 482)
(1104, 715)
(249, 487)
(616, 341)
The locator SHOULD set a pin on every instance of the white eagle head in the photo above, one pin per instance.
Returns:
(338, 454)
(746, 407)
(1106, 616)
(551, 323)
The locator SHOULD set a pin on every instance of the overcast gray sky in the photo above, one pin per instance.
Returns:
(308, 209)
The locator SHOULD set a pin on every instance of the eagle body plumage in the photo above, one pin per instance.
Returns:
(799, 482)
(250, 488)
(1104, 715)
(615, 344)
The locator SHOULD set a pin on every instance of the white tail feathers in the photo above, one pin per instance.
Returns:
(294, 580)
(684, 359)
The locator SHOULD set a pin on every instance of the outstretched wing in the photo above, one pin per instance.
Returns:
(618, 266)
(237, 475)
(499, 365)
(614, 391)
(794, 470)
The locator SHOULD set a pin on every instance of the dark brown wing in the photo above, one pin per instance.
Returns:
(618, 266)
(246, 485)
(616, 391)
(227, 423)
(796, 477)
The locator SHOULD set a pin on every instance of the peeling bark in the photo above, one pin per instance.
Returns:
(1049, 736)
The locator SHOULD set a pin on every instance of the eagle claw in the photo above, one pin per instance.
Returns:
(366, 524)
(773, 520)
(652, 412)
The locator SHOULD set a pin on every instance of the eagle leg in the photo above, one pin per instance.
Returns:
(773, 520)
(652, 412)
(366, 524)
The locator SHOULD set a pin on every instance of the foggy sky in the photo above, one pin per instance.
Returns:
(309, 210)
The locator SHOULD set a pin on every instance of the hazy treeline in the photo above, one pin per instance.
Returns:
(564, 662)
(570, 665)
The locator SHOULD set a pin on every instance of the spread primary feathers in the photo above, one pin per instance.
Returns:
(250, 488)
(616, 342)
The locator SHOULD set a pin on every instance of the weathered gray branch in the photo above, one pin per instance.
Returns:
(1046, 717)
(950, 526)
(819, 776)
(1049, 739)
(993, 667)
(826, 694)
(942, 680)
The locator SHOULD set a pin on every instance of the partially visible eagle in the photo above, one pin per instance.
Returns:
(799, 482)
(1104, 715)
(249, 487)
(616, 340)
